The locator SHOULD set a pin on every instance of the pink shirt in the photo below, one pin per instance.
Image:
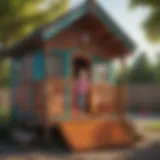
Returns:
(81, 86)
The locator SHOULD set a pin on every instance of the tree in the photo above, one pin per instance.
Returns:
(157, 68)
(142, 70)
(20, 17)
(152, 23)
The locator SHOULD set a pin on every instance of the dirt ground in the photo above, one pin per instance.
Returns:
(147, 149)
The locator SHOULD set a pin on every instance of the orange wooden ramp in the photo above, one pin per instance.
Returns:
(94, 134)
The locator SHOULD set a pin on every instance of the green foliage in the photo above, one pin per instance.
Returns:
(4, 114)
(121, 77)
(157, 69)
(21, 17)
(152, 23)
(153, 127)
(141, 71)
(5, 73)
(150, 3)
(152, 26)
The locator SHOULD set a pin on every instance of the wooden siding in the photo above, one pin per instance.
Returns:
(103, 100)
(144, 96)
(74, 37)
(21, 88)
(90, 134)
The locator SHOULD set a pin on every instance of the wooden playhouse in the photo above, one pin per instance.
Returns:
(45, 65)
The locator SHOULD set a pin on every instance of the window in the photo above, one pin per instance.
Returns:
(55, 65)
(100, 73)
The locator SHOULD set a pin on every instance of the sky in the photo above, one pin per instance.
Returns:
(129, 20)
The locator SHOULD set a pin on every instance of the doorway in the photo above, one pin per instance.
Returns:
(81, 64)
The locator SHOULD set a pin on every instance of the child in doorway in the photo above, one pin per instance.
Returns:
(82, 86)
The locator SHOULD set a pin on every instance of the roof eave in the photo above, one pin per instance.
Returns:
(106, 19)
(44, 34)
(23, 46)
(64, 22)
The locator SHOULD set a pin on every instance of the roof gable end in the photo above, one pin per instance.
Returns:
(74, 15)
(65, 22)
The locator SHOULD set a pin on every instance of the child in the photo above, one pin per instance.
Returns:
(82, 85)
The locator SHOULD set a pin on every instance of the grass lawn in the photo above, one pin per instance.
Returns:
(4, 115)
(4, 121)
(153, 127)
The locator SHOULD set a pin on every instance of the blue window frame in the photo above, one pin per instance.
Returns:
(38, 66)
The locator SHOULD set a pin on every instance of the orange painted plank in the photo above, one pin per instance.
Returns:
(94, 134)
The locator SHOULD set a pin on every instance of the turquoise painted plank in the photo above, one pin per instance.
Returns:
(66, 56)
(112, 78)
(68, 91)
(68, 64)
(16, 81)
(109, 64)
(16, 112)
(13, 84)
(38, 66)
(17, 72)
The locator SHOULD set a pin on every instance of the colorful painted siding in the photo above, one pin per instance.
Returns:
(28, 65)
(58, 64)
(38, 66)
(39, 99)
(22, 98)
(17, 64)
(17, 72)
(111, 73)
(55, 65)
(100, 65)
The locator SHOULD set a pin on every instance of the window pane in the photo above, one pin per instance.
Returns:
(100, 73)
(55, 65)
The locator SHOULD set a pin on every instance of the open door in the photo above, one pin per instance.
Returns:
(81, 78)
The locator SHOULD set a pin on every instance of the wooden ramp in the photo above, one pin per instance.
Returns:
(94, 134)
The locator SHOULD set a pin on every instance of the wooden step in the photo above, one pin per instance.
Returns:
(93, 134)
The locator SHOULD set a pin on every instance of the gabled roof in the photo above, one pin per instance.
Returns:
(45, 32)
(75, 15)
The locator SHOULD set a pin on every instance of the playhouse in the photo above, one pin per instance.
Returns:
(46, 64)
